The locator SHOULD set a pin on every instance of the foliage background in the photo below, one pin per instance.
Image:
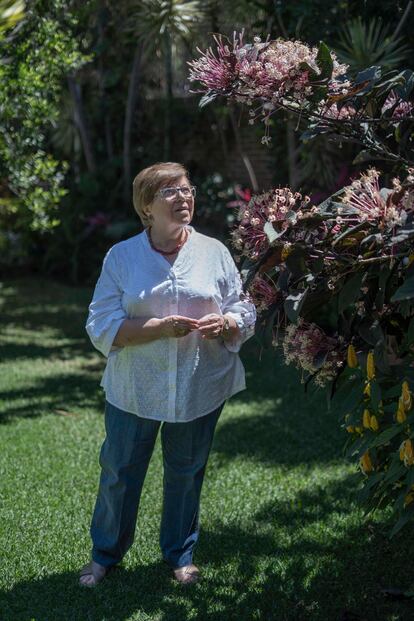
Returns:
(92, 92)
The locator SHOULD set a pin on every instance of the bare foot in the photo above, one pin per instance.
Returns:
(92, 574)
(190, 574)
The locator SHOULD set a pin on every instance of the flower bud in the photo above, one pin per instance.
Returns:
(366, 463)
(366, 419)
(352, 357)
(374, 423)
(401, 416)
(367, 389)
(406, 396)
(407, 453)
(370, 366)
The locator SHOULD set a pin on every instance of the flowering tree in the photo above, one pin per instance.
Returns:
(334, 282)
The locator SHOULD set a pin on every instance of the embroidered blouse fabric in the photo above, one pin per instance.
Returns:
(169, 379)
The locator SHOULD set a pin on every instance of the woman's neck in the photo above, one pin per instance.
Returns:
(166, 239)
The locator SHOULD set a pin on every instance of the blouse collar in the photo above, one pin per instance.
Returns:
(181, 253)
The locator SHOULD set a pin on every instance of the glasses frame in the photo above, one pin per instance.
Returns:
(178, 190)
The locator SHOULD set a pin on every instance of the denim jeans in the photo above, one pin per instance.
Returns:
(124, 459)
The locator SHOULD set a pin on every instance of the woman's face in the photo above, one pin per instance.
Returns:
(169, 208)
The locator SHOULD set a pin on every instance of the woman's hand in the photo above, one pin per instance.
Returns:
(177, 326)
(211, 326)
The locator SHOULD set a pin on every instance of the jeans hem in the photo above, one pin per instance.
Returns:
(104, 562)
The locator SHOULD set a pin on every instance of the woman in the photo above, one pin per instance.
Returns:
(169, 313)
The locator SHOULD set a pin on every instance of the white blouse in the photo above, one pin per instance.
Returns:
(169, 379)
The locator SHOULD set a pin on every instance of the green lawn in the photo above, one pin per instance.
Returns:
(282, 537)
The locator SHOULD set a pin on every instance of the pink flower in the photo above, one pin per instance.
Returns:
(266, 72)
(340, 114)
(217, 71)
(370, 203)
(263, 294)
(401, 109)
(305, 343)
(279, 207)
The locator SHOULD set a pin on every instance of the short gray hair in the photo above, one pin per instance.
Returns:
(147, 183)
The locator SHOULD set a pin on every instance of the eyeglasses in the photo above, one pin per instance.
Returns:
(170, 194)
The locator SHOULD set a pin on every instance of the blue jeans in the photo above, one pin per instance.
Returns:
(124, 459)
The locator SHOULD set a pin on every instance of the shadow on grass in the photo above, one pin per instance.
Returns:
(251, 572)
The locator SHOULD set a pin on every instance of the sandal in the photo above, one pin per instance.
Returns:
(190, 574)
(98, 573)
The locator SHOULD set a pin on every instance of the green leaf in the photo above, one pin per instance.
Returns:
(248, 271)
(403, 235)
(349, 396)
(271, 233)
(375, 394)
(385, 436)
(370, 330)
(293, 304)
(382, 282)
(295, 262)
(206, 99)
(324, 61)
(404, 519)
(405, 292)
(368, 75)
(264, 331)
(409, 336)
(350, 292)
(381, 357)
(394, 472)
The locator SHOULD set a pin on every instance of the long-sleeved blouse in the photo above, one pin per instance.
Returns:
(169, 379)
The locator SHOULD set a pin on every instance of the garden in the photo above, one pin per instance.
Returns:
(295, 122)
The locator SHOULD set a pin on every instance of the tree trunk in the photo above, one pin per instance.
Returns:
(101, 74)
(169, 95)
(132, 96)
(81, 123)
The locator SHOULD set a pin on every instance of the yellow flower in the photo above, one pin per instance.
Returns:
(352, 357)
(374, 423)
(407, 453)
(366, 419)
(370, 366)
(359, 430)
(350, 429)
(286, 250)
(401, 415)
(406, 396)
(366, 463)
(367, 389)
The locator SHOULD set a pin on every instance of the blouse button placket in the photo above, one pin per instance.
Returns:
(173, 350)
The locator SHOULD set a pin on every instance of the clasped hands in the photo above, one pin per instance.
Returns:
(210, 326)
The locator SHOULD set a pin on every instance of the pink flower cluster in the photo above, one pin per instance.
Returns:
(281, 207)
(262, 293)
(400, 109)
(344, 113)
(266, 71)
(369, 203)
(304, 343)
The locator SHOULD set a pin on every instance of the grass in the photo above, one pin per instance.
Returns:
(282, 536)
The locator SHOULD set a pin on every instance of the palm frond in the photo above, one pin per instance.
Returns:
(11, 12)
(363, 44)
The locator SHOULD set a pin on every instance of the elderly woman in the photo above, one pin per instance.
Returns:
(169, 313)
